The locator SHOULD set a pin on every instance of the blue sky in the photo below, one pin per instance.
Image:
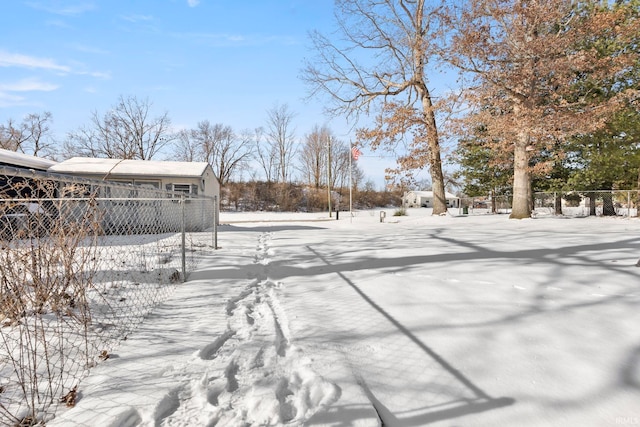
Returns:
(225, 61)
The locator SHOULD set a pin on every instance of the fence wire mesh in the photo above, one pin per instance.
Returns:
(588, 203)
(622, 203)
(82, 263)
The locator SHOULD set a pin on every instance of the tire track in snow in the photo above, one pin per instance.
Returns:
(253, 373)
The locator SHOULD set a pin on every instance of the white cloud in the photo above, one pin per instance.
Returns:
(88, 49)
(8, 59)
(27, 85)
(137, 18)
(193, 3)
(58, 23)
(96, 74)
(18, 60)
(62, 7)
(8, 100)
(222, 39)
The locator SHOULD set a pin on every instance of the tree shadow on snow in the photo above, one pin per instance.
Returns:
(266, 228)
(473, 399)
(469, 398)
(630, 372)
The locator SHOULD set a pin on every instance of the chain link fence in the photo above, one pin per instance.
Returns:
(485, 205)
(82, 263)
(622, 203)
(588, 203)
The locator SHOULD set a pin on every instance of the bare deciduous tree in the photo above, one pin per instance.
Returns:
(387, 45)
(10, 136)
(313, 155)
(185, 147)
(217, 145)
(357, 176)
(31, 136)
(280, 137)
(266, 155)
(340, 153)
(127, 131)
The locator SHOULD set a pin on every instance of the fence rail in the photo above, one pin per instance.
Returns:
(82, 263)
(569, 203)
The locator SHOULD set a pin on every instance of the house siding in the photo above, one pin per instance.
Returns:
(417, 199)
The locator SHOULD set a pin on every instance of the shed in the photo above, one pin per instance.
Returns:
(193, 178)
(414, 199)
(25, 161)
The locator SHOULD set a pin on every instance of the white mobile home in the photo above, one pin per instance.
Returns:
(194, 178)
(424, 199)
(132, 206)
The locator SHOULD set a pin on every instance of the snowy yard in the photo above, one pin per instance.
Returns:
(420, 320)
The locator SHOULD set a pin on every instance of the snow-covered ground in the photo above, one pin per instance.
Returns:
(417, 320)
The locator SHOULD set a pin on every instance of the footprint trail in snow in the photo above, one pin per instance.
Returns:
(252, 374)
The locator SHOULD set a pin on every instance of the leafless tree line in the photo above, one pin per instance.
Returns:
(130, 130)
(31, 135)
(263, 196)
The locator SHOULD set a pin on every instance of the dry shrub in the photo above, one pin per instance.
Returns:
(81, 263)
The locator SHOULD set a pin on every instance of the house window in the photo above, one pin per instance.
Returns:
(189, 190)
(182, 188)
(148, 184)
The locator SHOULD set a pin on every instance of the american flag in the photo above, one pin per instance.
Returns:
(355, 153)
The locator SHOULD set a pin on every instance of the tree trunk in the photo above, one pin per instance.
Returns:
(435, 161)
(494, 208)
(592, 204)
(521, 181)
(638, 197)
(608, 208)
(558, 203)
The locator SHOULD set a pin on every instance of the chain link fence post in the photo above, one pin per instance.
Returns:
(184, 238)
(215, 222)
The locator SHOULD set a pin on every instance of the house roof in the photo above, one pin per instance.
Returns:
(119, 167)
(430, 194)
(13, 158)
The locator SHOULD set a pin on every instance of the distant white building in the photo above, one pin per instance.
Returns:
(424, 199)
(194, 178)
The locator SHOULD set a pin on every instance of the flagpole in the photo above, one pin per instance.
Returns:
(329, 176)
(350, 183)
